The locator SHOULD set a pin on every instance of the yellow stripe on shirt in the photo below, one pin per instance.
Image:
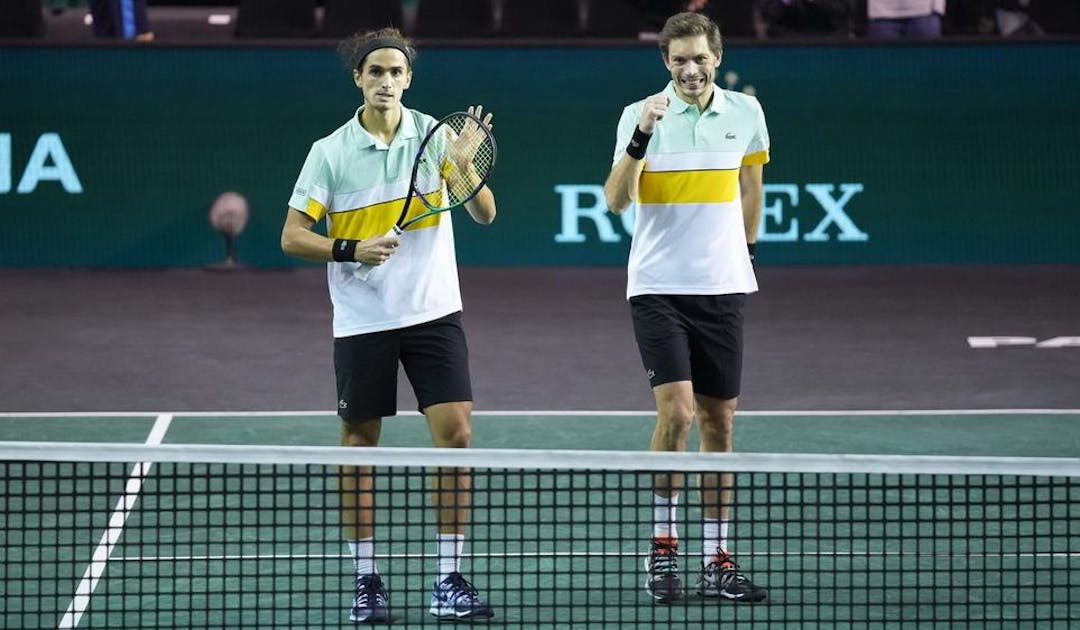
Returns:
(713, 186)
(377, 219)
(314, 209)
(760, 157)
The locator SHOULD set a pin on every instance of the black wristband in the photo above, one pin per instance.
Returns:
(345, 250)
(751, 248)
(638, 143)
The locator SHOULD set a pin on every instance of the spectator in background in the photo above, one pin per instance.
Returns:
(121, 19)
(891, 19)
(969, 17)
(1013, 18)
(806, 18)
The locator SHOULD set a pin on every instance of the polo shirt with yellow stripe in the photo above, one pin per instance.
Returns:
(689, 237)
(358, 184)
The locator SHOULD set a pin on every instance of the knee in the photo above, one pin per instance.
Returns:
(716, 432)
(360, 433)
(456, 435)
(717, 427)
(676, 418)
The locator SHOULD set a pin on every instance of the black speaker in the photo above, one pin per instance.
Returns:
(615, 18)
(734, 17)
(342, 18)
(552, 18)
(457, 18)
(275, 18)
(1056, 17)
(21, 18)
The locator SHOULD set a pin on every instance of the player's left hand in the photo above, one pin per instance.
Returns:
(470, 137)
(478, 111)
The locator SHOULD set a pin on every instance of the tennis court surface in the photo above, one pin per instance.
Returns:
(931, 519)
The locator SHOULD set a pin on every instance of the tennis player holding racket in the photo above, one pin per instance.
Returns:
(691, 157)
(408, 310)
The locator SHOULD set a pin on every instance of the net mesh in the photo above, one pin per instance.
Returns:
(252, 536)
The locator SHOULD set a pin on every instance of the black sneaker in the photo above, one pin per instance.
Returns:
(662, 579)
(455, 598)
(371, 604)
(721, 578)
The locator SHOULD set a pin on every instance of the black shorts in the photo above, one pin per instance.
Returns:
(434, 355)
(695, 338)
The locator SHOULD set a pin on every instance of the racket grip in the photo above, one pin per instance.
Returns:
(362, 270)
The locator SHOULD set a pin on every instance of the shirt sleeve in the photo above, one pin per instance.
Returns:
(757, 152)
(311, 194)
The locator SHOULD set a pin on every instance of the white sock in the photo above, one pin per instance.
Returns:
(715, 539)
(664, 516)
(363, 553)
(710, 533)
(449, 550)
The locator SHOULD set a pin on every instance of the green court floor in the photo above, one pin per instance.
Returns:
(1028, 434)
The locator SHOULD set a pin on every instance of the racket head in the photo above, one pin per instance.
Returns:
(454, 162)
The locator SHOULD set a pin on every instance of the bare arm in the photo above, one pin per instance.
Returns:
(482, 206)
(299, 241)
(621, 187)
(751, 183)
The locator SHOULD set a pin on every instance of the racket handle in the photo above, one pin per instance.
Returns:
(362, 270)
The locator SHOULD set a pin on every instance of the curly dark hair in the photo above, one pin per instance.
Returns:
(357, 46)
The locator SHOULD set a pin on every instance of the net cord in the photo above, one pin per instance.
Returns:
(540, 459)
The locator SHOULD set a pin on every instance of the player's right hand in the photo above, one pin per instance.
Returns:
(654, 110)
(377, 250)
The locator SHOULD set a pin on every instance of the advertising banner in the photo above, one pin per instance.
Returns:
(903, 154)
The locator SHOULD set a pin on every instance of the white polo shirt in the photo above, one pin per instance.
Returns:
(359, 185)
(688, 235)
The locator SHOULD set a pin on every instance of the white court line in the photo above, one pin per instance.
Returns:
(112, 533)
(524, 413)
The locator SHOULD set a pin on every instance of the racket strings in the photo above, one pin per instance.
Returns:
(470, 155)
(454, 164)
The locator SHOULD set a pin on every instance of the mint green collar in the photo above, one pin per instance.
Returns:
(407, 130)
(678, 106)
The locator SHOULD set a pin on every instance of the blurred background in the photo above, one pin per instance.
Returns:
(66, 20)
(936, 135)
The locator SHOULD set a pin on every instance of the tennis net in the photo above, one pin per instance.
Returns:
(133, 536)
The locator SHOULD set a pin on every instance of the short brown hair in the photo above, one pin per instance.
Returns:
(690, 24)
(356, 47)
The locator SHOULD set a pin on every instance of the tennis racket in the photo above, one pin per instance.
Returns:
(454, 161)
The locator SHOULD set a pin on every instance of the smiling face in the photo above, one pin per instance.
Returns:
(692, 64)
(383, 77)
